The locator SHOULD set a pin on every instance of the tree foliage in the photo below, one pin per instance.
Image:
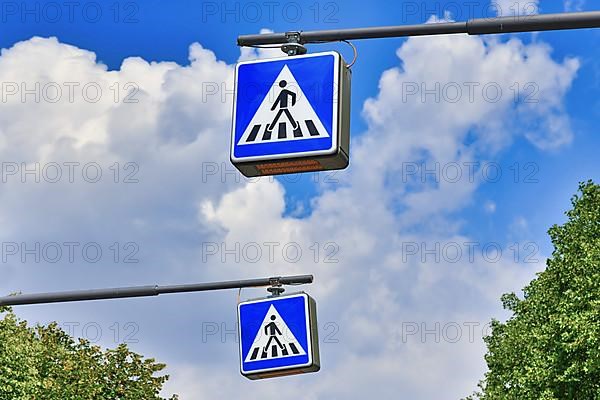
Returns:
(550, 348)
(45, 363)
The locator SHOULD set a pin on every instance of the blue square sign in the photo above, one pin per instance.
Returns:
(278, 336)
(288, 114)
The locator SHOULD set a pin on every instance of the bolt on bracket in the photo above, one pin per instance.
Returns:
(294, 46)
(276, 288)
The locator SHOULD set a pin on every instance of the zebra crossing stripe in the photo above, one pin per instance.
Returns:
(312, 128)
(299, 132)
(264, 353)
(282, 131)
(253, 133)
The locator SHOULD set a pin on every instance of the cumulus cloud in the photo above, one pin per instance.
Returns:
(381, 213)
(382, 241)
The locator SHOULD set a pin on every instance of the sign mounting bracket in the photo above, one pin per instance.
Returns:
(294, 46)
(276, 288)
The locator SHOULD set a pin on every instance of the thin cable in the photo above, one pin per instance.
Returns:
(355, 53)
(354, 49)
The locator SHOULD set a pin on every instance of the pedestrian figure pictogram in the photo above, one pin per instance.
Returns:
(282, 103)
(272, 330)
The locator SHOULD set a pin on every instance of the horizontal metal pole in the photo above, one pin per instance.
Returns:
(357, 33)
(522, 23)
(146, 291)
(531, 23)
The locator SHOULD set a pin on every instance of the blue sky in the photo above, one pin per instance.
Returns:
(370, 211)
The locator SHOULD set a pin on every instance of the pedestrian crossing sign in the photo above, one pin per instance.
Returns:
(291, 114)
(278, 336)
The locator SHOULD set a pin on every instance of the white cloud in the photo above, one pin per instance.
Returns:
(180, 127)
(489, 207)
(513, 7)
(574, 5)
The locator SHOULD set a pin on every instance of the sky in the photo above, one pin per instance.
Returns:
(115, 172)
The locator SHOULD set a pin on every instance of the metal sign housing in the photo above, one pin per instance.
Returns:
(291, 114)
(278, 336)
